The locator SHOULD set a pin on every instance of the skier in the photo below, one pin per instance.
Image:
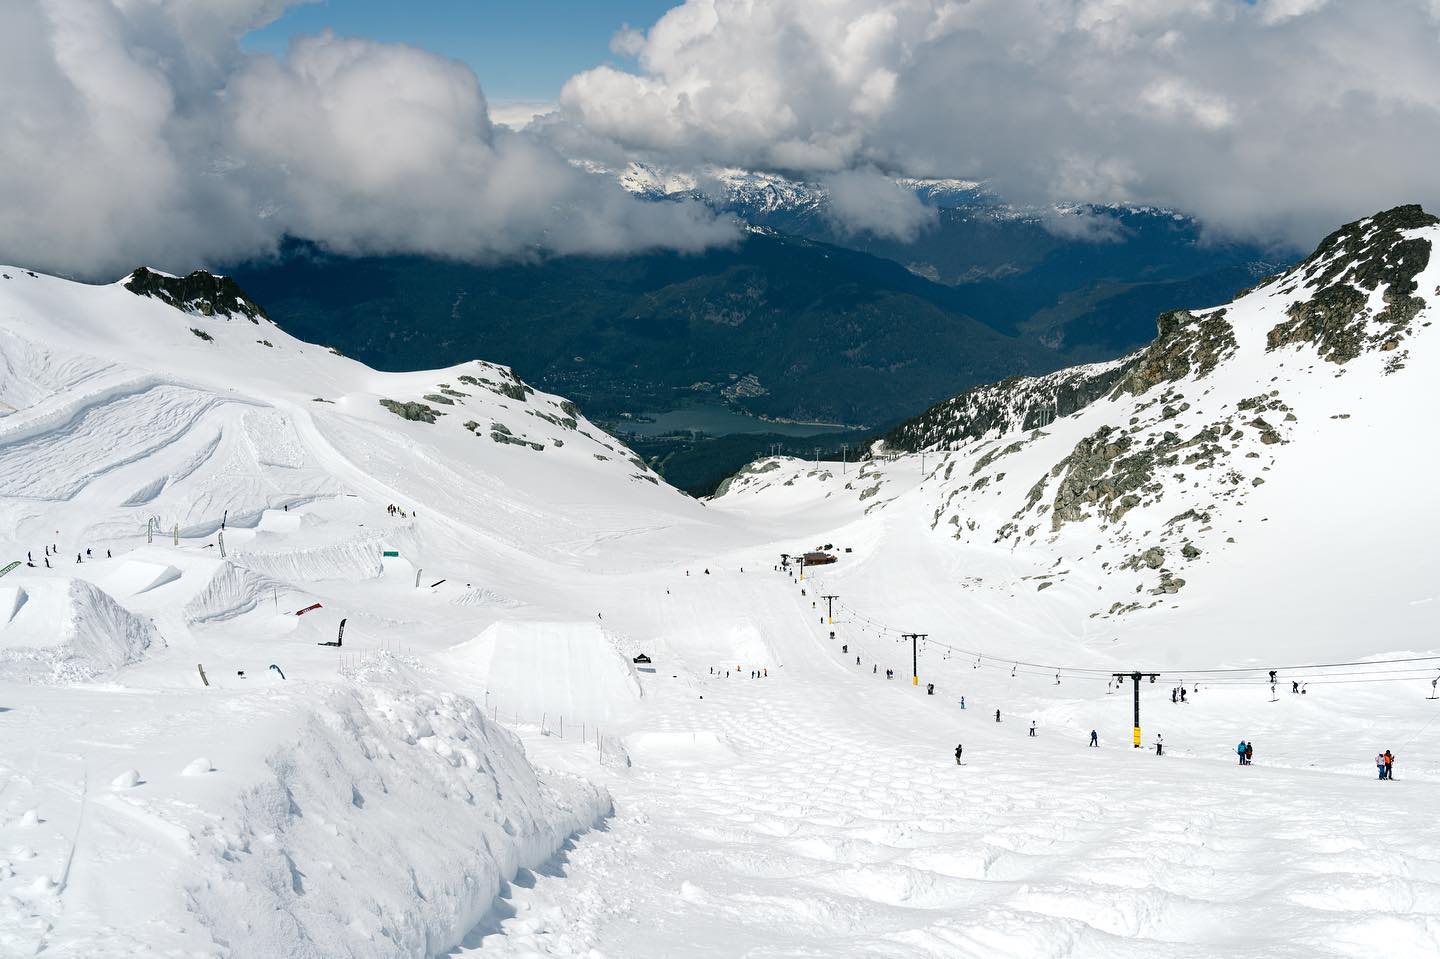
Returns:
(997, 715)
(77, 557)
(962, 702)
(1240, 751)
(47, 562)
(857, 660)
(1094, 739)
(1032, 728)
(1380, 765)
(107, 554)
(1159, 745)
(1174, 695)
(87, 552)
(1249, 753)
(929, 689)
(1272, 677)
(1389, 765)
(1182, 694)
(958, 750)
(874, 669)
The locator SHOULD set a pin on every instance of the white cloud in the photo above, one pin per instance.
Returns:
(868, 201)
(1278, 119)
(138, 132)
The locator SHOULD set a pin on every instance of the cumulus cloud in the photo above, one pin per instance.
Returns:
(139, 132)
(868, 201)
(1276, 119)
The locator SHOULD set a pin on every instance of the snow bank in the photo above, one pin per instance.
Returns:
(231, 591)
(356, 559)
(559, 669)
(384, 828)
(70, 631)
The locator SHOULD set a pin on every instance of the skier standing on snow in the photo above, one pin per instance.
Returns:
(1182, 694)
(1094, 738)
(1240, 751)
(1379, 765)
(1249, 753)
(1159, 745)
(1032, 727)
(958, 750)
(997, 715)
(1389, 765)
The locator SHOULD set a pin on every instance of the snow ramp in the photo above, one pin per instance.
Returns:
(135, 576)
(71, 631)
(558, 669)
(11, 599)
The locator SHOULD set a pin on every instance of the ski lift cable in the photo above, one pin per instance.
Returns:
(1293, 672)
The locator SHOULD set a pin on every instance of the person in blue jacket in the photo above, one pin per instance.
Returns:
(1240, 751)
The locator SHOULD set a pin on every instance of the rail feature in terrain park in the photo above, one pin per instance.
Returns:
(312, 606)
(339, 639)
(9, 567)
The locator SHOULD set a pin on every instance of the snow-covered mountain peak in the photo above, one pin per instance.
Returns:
(1135, 479)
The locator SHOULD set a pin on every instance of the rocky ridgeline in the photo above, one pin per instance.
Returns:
(199, 294)
(1334, 314)
(1166, 434)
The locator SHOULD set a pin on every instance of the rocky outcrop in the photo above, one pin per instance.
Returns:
(1019, 403)
(1348, 266)
(1186, 343)
(200, 293)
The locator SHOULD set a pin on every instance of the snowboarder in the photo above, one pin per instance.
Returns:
(77, 557)
(929, 689)
(958, 750)
(1272, 677)
(1389, 765)
(88, 553)
(107, 554)
(997, 715)
(1094, 739)
(1295, 686)
(1032, 728)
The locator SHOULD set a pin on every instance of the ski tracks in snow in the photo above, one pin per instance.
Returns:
(838, 830)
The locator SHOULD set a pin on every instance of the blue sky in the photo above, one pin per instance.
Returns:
(520, 49)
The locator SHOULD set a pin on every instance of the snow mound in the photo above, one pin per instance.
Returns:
(557, 669)
(356, 559)
(71, 631)
(396, 769)
(135, 576)
(232, 590)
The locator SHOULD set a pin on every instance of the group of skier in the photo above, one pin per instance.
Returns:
(54, 550)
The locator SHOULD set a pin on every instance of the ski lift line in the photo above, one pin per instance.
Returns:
(1293, 672)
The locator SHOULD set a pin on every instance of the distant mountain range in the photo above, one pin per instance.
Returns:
(801, 320)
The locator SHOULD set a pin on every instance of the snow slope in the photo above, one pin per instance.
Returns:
(761, 788)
